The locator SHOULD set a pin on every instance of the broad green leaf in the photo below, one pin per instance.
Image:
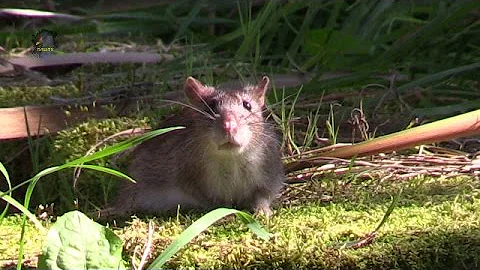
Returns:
(77, 242)
(200, 225)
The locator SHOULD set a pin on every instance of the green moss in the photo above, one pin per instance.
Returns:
(13, 96)
(435, 226)
(10, 230)
(75, 142)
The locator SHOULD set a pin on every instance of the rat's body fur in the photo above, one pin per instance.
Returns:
(229, 157)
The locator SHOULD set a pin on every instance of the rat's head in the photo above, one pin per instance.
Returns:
(234, 118)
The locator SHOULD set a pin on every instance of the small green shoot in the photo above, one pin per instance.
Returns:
(330, 125)
(371, 236)
(312, 127)
(287, 121)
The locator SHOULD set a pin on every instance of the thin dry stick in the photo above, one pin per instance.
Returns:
(134, 257)
(148, 246)
(402, 166)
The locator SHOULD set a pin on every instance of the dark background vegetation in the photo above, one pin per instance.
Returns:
(402, 63)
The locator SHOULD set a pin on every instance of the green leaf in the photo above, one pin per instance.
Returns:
(77, 242)
(3, 170)
(200, 225)
(253, 225)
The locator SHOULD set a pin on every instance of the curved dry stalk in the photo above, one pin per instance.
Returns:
(148, 246)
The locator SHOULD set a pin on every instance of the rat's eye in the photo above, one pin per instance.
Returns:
(247, 105)
(212, 106)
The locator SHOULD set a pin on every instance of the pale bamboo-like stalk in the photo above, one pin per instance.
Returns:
(447, 129)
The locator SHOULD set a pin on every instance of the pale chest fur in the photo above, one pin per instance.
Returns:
(232, 178)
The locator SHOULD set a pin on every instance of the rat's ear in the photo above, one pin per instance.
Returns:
(261, 89)
(196, 92)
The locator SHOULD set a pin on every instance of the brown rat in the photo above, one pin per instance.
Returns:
(227, 155)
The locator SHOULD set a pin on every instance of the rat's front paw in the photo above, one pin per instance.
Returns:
(267, 212)
(262, 207)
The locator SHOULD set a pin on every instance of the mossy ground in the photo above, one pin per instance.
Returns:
(435, 225)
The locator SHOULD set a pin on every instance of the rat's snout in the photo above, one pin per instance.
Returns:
(231, 134)
(230, 124)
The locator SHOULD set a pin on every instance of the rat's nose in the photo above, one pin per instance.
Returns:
(230, 124)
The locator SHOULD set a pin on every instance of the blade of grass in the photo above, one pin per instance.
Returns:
(100, 154)
(122, 146)
(104, 170)
(191, 16)
(444, 17)
(254, 28)
(389, 210)
(447, 110)
(3, 170)
(438, 76)
(300, 38)
(253, 225)
(24, 210)
(371, 236)
(199, 226)
(26, 213)
(375, 14)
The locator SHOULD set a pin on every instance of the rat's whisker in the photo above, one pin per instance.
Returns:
(189, 106)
